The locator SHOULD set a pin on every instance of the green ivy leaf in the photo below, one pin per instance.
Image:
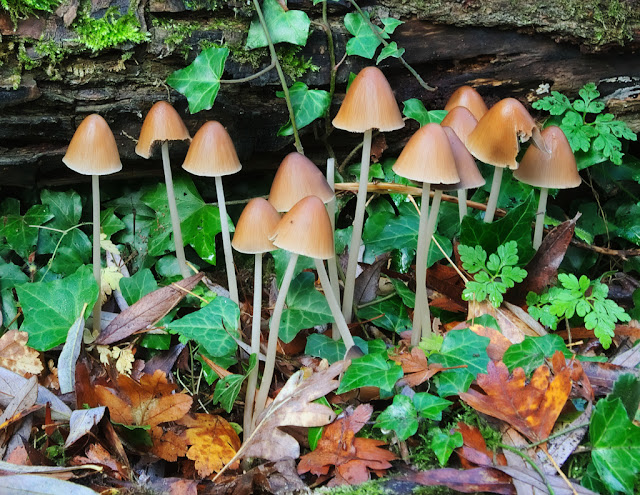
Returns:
(627, 389)
(109, 222)
(325, 347)
(443, 443)
(364, 42)
(400, 416)
(414, 109)
(19, 235)
(308, 105)
(372, 370)
(290, 26)
(66, 209)
(391, 50)
(430, 406)
(390, 314)
(11, 275)
(228, 388)
(200, 81)
(407, 295)
(50, 308)
(281, 258)
(138, 285)
(390, 24)
(532, 351)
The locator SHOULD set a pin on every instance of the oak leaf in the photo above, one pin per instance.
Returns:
(531, 408)
(416, 368)
(16, 356)
(351, 457)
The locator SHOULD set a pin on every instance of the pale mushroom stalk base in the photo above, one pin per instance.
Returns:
(493, 195)
(272, 342)
(95, 191)
(332, 262)
(255, 346)
(173, 211)
(462, 203)
(356, 235)
(335, 307)
(421, 267)
(542, 209)
(226, 243)
(431, 228)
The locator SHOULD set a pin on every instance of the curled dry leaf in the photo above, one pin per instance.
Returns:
(480, 479)
(16, 356)
(474, 450)
(415, 366)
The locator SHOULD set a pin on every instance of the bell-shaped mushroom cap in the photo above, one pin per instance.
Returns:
(211, 153)
(495, 138)
(466, 96)
(428, 157)
(461, 120)
(162, 123)
(369, 104)
(297, 177)
(306, 230)
(470, 176)
(256, 223)
(93, 149)
(557, 169)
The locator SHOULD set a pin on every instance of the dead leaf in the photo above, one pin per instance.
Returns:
(10, 385)
(16, 356)
(97, 454)
(445, 280)
(148, 310)
(602, 376)
(529, 477)
(81, 423)
(415, 366)
(481, 479)
(368, 282)
(350, 457)
(167, 444)
(498, 343)
(531, 408)
(474, 449)
(512, 326)
(378, 146)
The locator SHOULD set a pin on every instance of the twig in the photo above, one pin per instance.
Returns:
(268, 68)
(351, 154)
(530, 461)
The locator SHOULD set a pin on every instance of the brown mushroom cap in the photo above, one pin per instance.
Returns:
(428, 157)
(466, 96)
(495, 138)
(298, 177)
(369, 104)
(212, 153)
(470, 176)
(306, 230)
(461, 120)
(162, 123)
(93, 149)
(557, 169)
(256, 223)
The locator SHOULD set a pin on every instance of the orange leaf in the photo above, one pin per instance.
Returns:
(167, 444)
(415, 366)
(498, 343)
(531, 408)
(474, 450)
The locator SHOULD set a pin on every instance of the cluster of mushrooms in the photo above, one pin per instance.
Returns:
(441, 156)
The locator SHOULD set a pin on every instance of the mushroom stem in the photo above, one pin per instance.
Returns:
(333, 304)
(542, 209)
(356, 235)
(431, 228)
(255, 345)
(95, 191)
(493, 195)
(272, 342)
(173, 211)
(331, 262)
(421, 266)
(462, 203)
(226, 242)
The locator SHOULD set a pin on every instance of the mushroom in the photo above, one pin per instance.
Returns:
(466, 96)
(495, 141)
(369, 104)
(304, 230)
(461, 120)
(256, 223)
(161, 125)
(212, 154)
(426, 158)
(556, 169)
(93, 151)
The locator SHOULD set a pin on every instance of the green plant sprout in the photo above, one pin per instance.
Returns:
(492, 278)
(582, 297)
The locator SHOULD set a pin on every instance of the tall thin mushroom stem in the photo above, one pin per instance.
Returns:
(332, 262)
(255, 346)
(340, 323)
(421, 267)
(173, 211)
(542, 208)
(95, 191)
(226, 242)
(356, 235)
(493, 195)
(431, 228)
(462, 203)
(272, 342)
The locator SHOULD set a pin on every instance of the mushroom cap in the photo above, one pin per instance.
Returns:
(211, 153)
(428, 157)
(461, 120)
(93, 149)
(557, 169)
(466, 96)
(306, 230)
(470, 176)
(298, 177)
(495, 138)
(369, 104)
(256, 223)
(162, 123)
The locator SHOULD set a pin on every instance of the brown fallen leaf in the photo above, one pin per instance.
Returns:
(148, 310)
(474, 450)
(498, 343)
(531, 408)
(480, 479)
(416, 368)
(367, 283)
(378, 146)
(16, 356)
(97, 454)
(512, 326)
(602, 376)
(347, 457)
(167, 444)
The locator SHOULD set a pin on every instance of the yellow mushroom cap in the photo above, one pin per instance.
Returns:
(162, 123)
(211, 153)
(93, 149)
(466, 96)
(256, 223)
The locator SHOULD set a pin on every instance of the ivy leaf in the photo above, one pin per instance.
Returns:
(50, 308)
(430, 406)
(281, 258)
(391, 50)
(19, 235)
(407, 295)
(442, 443)
(11, 275)
(364, 42)
(390, 24)
(414, 109)
(110, 223)
(290, 26)
(140, 284)
(373, 370)
(389, 314)
(532, 351)
(325, 347)
(200, 81)
(308, 105)
(400, 416)
(66, 209)
(228, 388)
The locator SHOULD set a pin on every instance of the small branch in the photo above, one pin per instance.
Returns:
(262, 72)
(350, 156)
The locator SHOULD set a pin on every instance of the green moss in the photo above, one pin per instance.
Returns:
(21, 9)
(109, 31)
(614, 16)
(178, 32)
(295, 66)
(374, 487)
(202, 4)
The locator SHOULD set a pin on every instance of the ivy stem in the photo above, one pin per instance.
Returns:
(255, 346)
(493, 195)
(334, 69)
(95, 191)
(542, 208)
(261, 72)
(283, 82)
